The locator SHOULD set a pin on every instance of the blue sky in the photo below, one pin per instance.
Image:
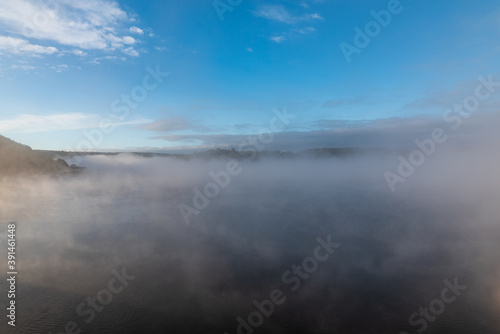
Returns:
(63, 63)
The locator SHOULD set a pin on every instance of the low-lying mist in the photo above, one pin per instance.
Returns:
(397, 248)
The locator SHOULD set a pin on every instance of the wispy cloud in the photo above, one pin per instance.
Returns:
(23, 47)
(80, 25)
(304, 31)
(315, 16)
(281, 14)
(60, 68)
(278, 39)
(161, 48)
(78, 53)
(130, 51)
(23, 67)
(172, 124)
(275, 13)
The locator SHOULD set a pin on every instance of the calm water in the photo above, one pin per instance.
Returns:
(396, 250)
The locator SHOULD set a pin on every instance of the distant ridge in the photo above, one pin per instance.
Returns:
(317, 153)
(16, 158)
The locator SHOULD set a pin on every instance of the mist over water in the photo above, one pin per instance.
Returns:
(396, 248)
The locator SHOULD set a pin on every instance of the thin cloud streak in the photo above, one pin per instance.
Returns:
(28, 123)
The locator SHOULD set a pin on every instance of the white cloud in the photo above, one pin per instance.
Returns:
(128, 40)
(106, 58)
(21, 46)
(98, 12)
(78, 53)
(316, 16)
(130, 51)
(23, 67)
(281, 14)
(276, 13)
(161, 48)
(306, 30)
(136, 30)
(87, 25)
(278, 39)
(60, 68)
